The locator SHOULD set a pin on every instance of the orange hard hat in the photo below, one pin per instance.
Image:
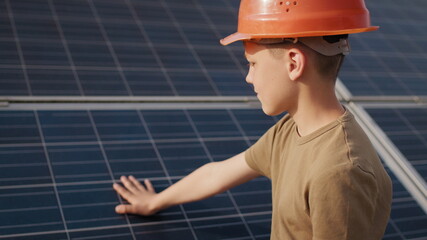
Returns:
(259, 19)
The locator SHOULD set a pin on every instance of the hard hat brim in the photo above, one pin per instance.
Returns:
(234, 38)
(246, 36)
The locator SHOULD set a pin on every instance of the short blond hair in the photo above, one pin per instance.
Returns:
(327, 66)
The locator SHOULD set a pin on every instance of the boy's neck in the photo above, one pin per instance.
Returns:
(316, 109)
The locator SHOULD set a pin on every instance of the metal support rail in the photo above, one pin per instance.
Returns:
(125, 102)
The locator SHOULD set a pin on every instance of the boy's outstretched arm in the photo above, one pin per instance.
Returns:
(204, 182)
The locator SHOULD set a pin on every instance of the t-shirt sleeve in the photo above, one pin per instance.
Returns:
(259, 155)
(342, 204)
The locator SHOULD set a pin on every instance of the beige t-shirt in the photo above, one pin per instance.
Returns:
(327, 185)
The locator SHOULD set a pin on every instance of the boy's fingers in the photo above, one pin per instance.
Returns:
(148, 185)
(128, 184)
(136, 183)
(122, 191)
(124, 208)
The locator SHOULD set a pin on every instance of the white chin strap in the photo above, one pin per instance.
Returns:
(318, 44)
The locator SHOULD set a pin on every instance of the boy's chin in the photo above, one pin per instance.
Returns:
(271, 111)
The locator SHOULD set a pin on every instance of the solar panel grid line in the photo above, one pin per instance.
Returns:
(65, 45)
(212, 160)
(399, 233)
(176, 23)
(49, 164)
(383, 37)
(93, 220)
(172, 140)
(18, 46)
(26, 209)
(242, 132)
(120, 19)
(151, 46)
(89, 205)
(208, 210)
(413, 218)
(31, 225)
(110, 47)
(174, 221)
(161, 160)
(107, 164)
(74, 184)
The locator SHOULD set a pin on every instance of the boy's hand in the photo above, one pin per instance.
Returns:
(141, 198)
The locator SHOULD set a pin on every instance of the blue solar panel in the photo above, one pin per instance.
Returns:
(126, 48)
(407, 219)
(407, 129)
(142, 37)
(393, 60)
(58, 167)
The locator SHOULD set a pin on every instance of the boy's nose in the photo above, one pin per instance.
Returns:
(248, 79)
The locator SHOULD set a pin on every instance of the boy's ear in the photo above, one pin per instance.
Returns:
(296, 63)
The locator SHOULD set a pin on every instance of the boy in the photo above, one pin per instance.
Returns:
(327, 181)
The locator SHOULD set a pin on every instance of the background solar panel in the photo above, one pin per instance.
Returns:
(96, 47)
(407, 128)
(393, 60)
(159, 47)
(58, 167)
(407, 220)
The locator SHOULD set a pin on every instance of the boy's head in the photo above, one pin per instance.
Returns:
(295, 40)
(320, 25)
(278, 69)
